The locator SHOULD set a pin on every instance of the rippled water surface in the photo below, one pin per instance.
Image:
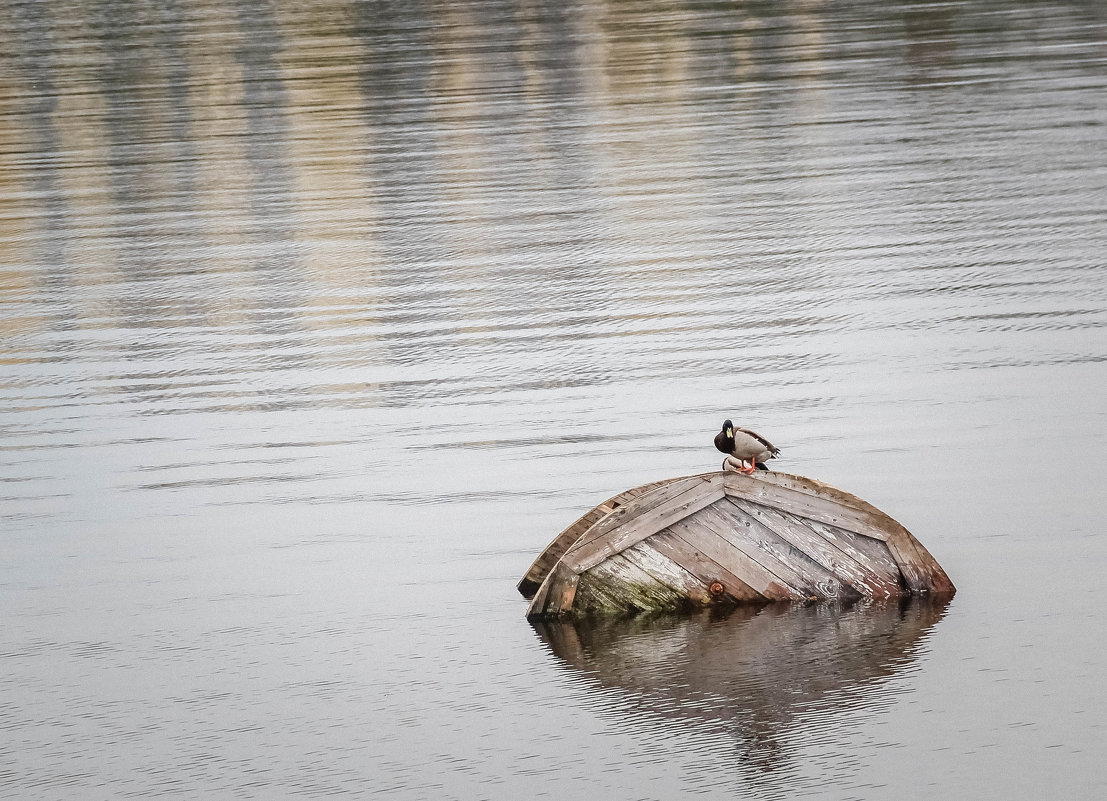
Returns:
(319, 319)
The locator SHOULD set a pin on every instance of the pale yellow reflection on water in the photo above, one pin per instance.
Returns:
(319, 319)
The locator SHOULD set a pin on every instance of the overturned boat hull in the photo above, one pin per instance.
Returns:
(725, 539)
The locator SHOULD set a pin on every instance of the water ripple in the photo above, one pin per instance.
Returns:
(316, 317)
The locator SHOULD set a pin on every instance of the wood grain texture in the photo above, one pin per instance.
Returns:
(921, 571)
(870, 523)
(790, 563)
(622, 585)
(846, 563)
(677, 546)
(642, 519)
(670, 492)
(871, 552)
(670, 573)
(722, 538)
(762, 573)
(533, 578)
(556, 594)
(811, 486)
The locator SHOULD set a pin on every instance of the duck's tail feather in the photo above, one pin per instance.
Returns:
(763, 466)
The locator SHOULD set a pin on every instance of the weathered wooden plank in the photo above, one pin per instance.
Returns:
(619, 585)
(870, 552)
(867, 523)
(568, 592)
(917, 579)
(678, 548)
(659, 497)
(586, 555)
(850, 567)
(919, 568)
(811, 486)
(538, 601)
(762, 572)
(790, 563)
(669, 573)
(556, 593)
(921, 571)
(940, 582)
(763, 565)
(541, 566)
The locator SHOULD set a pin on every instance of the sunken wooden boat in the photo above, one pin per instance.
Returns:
(724, 539)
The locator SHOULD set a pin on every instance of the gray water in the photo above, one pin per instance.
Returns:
(319, 320)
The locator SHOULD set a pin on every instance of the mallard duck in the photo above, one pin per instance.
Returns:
(742, 445)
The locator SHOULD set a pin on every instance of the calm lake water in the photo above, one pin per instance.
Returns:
(318, 320)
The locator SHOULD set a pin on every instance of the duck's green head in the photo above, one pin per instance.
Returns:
(728, 428)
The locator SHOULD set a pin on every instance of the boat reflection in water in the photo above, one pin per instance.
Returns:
(752, 672)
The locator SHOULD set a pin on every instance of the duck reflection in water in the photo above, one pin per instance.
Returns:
(752, 671)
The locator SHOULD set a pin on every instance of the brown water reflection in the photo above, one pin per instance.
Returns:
(753, 674)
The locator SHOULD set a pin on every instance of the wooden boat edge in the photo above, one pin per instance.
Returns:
(542, 565)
